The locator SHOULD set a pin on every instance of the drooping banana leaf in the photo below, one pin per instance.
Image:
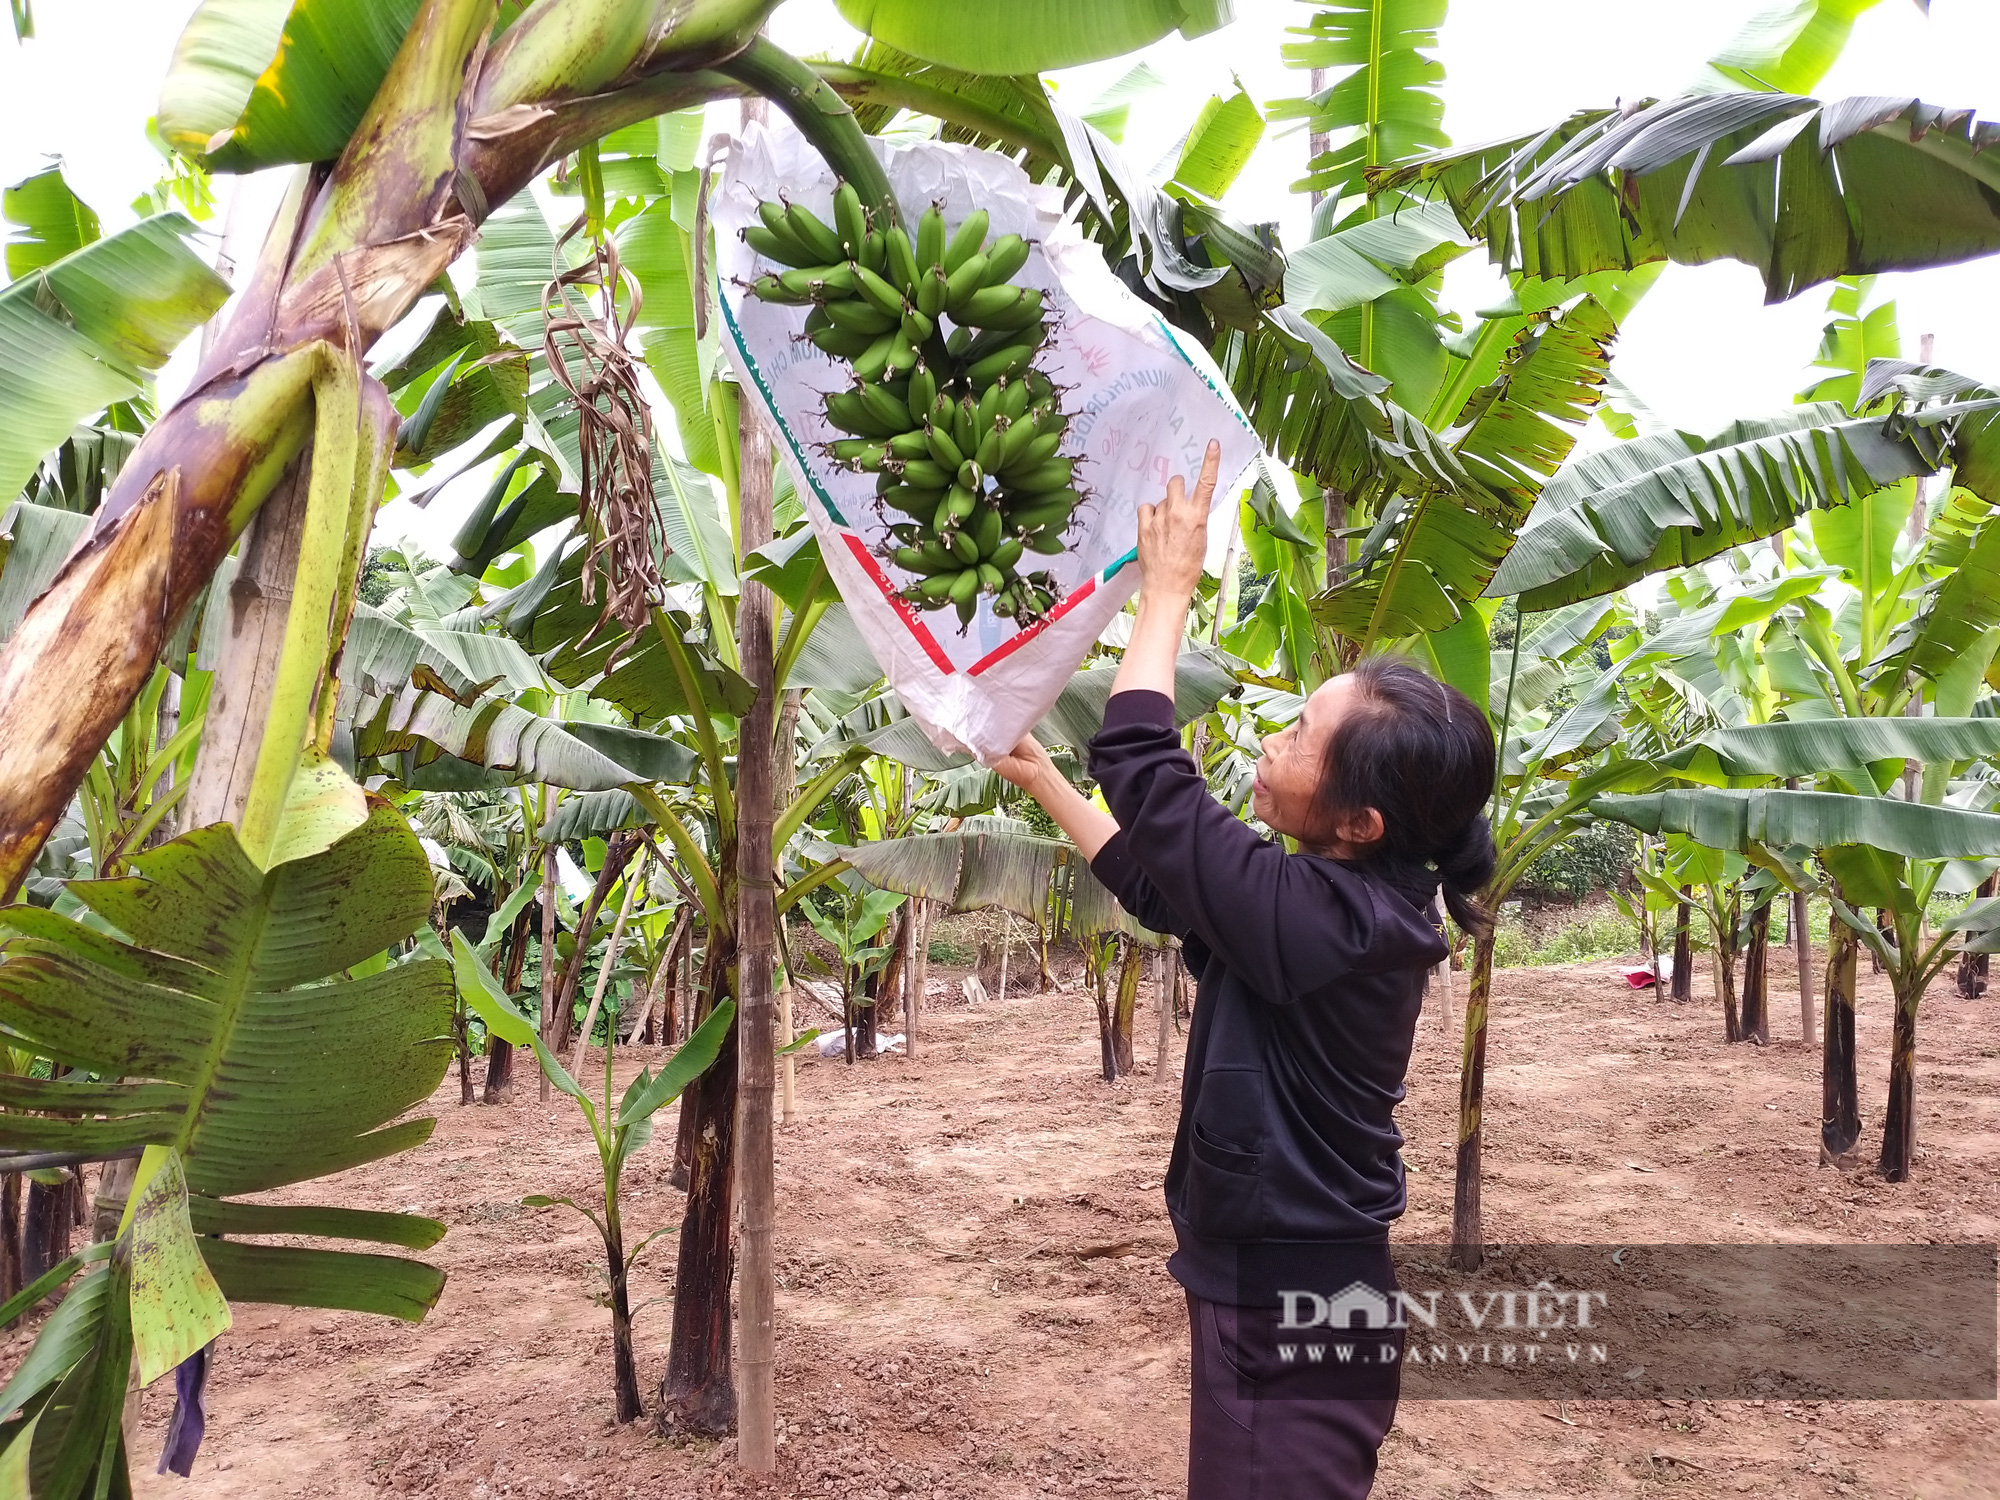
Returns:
(428, 712)
(202, 1017)
(992, 862)
(1788, 46)
(1806, 747)
(1727, 818)
(1803, 190)
(1030, 36)
(259, 83)
(81, 333)
(1669, 500)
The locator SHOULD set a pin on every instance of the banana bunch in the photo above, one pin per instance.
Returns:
(947, 409)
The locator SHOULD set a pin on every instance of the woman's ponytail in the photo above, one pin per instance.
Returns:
(1463, 869)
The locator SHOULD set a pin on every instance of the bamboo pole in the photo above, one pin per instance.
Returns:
(548, 953)
(756, 1434)
(632, 882)
(1006, 946)
(784, 781)
(1802, 947)
(1163, 990)
(786, 1091)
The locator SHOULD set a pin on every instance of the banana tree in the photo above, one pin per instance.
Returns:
(429, 122)
(1877, 850)
(620, 1132)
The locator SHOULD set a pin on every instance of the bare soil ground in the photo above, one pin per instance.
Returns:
(973, 1301)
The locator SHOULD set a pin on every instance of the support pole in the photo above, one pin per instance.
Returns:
(756, 1430)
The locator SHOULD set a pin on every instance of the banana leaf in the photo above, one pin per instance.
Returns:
(1029, 36)
(82, 331)
(46, 222)
(1805, 748)
(1804, 191)
(1669, 500)
(199, 1009)
(1724, 818)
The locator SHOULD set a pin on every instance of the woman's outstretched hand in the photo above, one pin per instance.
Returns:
(1173, 535)
(1027, 765)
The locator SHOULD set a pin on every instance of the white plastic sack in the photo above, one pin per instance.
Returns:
(1144, 403)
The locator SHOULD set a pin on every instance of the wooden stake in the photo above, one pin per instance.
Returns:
(1164, 980)
(1006, 946)
(786, 1030)
(633, 880)
(1802, 947)
(756, 1430)
(548, 953)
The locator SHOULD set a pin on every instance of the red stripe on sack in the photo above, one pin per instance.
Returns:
(901, 605)
(1007, 648)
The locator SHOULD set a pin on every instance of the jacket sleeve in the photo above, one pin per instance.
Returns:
(1286, 924)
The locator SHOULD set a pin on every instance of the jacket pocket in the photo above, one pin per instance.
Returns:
(1225, 1191)
(1225, 1199)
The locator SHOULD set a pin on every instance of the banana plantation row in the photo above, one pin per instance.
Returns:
(268, 789)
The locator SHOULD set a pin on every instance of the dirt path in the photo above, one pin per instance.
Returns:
(973, 1301)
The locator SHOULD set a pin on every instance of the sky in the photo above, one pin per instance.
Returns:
(1701, 349)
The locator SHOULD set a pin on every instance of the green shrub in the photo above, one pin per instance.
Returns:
(946, 949)
(1599, 934)
(1597, 857)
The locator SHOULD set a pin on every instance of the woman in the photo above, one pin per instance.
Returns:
(1310, 970)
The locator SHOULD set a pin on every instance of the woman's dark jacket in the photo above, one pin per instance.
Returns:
(1310, 977)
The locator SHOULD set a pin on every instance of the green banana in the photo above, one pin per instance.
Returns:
(840, 343)
(1014, 441)
(875, 252)
(989, 303)
(971, 475)
(1038, 450)
(931, 286)
(784, 249)
(924, 474)
(990, 578)
(912, 501)
(847, 411)
(985, 529)
(863, 453)
(964, 427)
(879, 292)
(870, 366)
(966, 588)
(1048, 542)
(1006, 554)
(943, 449)
(859, 317)
(923, 390)
(902, 260)
(959, 343)
(885, 407)
(988, 456)
(773, 289)
(810, 232)
(964, 548)
(1006, 256)
(1029, 519)
(962, 284)
(1053, 475)
(907, 445)
(967, 241)
(937, 588)
(1008, 361)
(930, 237)
(1014, 400)
(850, 219)
(960, 502)
(916, 327)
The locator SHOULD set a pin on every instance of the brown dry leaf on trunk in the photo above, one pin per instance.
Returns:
(587, 355)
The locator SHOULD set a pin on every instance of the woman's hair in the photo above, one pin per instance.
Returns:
(1421, 754)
